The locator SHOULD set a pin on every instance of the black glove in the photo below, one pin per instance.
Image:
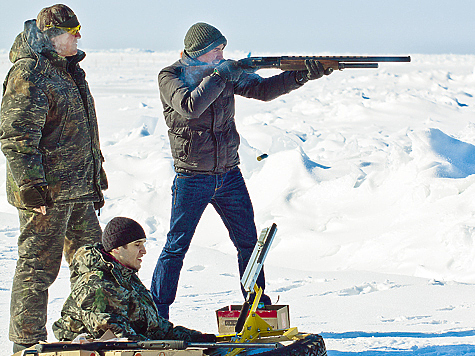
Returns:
(229, 70)
(203, 338)
(99, 204)
(103, 179)
(314, 71)
(36, 196)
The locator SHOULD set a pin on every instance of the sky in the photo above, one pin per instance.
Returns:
(400, 27)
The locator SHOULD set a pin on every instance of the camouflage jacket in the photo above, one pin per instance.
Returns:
(108, 295)
(48, 130)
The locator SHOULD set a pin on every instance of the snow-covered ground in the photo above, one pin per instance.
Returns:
(369, 179)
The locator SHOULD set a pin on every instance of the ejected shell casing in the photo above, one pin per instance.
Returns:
(262, 156)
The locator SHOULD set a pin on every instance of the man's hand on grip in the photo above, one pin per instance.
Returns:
(204, 338)
(229, 70)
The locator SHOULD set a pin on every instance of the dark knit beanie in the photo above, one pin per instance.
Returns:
(57, 15)
(202, 38)
(120, 231)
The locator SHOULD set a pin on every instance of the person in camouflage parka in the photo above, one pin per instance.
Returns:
(49, 136)
(108, 295)
(49, 131)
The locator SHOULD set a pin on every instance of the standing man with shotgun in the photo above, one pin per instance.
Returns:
(197, 94)
(49, 136)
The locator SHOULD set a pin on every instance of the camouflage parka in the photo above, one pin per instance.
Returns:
(48, 132)
(109, 295)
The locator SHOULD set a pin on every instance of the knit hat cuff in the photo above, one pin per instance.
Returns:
(195, 54)
(121, 231)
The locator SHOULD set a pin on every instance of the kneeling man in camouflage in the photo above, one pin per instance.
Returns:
(108, 295)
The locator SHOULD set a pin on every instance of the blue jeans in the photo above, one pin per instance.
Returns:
(228, 194)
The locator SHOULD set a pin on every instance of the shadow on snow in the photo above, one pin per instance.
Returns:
(463, 349)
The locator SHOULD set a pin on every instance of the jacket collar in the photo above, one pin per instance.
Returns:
(189, 61)
(90, 258)
(32, 43)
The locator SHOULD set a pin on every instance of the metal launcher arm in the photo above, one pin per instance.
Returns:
(250, 325)
(253, 269)
(259, 254)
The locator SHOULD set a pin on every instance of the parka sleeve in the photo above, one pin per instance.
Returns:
(188, 101)
(23, 116)
(251, 85)
(94, 308)
(102, 309)
(166, 330)
(96, 305)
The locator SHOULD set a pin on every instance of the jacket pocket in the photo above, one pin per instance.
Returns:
(180, 146)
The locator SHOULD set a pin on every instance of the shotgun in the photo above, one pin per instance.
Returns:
(330, 63)
(145, 345)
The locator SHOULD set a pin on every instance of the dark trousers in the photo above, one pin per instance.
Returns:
(228, 194)
(40, 247)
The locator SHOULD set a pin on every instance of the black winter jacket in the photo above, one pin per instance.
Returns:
(199, 112)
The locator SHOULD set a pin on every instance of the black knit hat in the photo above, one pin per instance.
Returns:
(120, 231)
(202, 38)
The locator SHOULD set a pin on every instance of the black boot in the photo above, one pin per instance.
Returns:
(21, 347)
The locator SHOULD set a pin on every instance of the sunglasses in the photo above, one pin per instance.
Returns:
(71, 30)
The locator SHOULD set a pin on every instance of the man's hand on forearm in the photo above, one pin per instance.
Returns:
(314, 70)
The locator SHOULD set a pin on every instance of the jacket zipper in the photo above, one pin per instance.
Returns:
(97, 188)
(213, 113)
